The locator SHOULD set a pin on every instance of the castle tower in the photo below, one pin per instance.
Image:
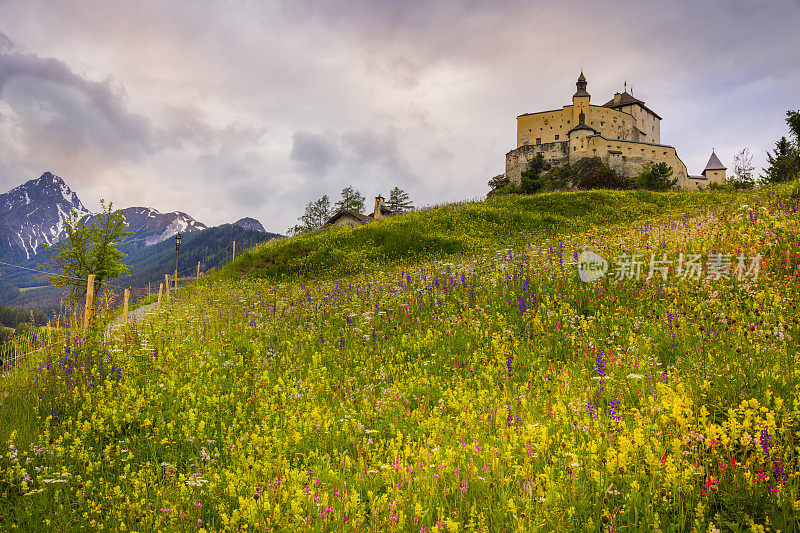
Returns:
(578, 138)
(715, 170)
(580, 100)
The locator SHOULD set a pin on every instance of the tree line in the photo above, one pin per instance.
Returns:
(319, 211)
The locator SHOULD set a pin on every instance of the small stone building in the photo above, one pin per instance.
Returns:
(346, 217)
(624, 133)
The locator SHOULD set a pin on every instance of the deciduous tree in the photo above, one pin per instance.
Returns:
(88, 249)
(351, 200)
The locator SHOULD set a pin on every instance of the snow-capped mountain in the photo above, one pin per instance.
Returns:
(151, 226)
(250, 223)
(34, 213)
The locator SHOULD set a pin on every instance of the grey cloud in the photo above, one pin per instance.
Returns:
(60, 112)
(5, 43)
(371, 93)
(401, 72)
(314, 154)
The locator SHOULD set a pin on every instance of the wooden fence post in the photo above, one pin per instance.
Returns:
(166, 282)
(198, 271)
(175, 287)
(125, 305)
(234, 252)
(160, 289)
(89, 299)
(148, 289)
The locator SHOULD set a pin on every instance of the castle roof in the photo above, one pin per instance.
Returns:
(582, 126)
(714, 163)
(626, 99)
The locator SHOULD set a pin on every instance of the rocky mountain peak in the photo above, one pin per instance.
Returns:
(250, 223)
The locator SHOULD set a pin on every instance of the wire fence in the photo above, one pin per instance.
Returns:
(107, 303)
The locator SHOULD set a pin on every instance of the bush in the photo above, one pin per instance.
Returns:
(592, 173)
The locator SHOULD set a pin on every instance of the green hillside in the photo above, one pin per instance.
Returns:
(459, 229)
(445, 370)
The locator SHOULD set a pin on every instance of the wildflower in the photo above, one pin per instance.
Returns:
(765, 441)
(591, 410)
(600, 362)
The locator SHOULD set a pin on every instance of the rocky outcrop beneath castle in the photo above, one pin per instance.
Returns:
(556, 154)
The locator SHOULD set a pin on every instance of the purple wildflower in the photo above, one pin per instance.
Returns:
(600, 362)
(766, 441)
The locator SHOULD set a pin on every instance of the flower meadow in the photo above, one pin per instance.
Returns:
(493, 391)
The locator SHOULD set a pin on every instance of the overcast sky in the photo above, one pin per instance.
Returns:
(233, 108)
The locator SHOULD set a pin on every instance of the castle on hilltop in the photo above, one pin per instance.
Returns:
(624, 133)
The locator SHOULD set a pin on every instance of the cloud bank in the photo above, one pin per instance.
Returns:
(226, 110)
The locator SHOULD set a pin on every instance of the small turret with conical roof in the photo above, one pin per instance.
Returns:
(715, 170)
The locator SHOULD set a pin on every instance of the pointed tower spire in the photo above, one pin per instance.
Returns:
(713, 163)
(581, 85)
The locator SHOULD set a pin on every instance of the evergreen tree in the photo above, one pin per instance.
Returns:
(656, 177)
(784, 163)
(88, 249)
(351, 200)
(530, 179)
(793, 120)
(399, 200)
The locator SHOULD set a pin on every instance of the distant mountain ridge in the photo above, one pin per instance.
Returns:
(151, 226)
(250, 223)
(33, 214)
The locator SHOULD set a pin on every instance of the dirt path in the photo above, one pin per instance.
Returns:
(133, 316)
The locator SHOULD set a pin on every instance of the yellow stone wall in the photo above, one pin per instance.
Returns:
(552, 126)
(627, 157)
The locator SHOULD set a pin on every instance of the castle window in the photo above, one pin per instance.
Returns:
(529, 131)
(538, 140)
(574, 148)
(624, 158)
(594, 150)
(556, 137)
(665, 153)
(568, 122)
(602, 123)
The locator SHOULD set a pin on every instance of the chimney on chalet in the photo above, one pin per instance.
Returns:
(379, 204)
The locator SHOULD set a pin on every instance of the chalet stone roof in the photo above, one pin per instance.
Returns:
(714, 163)
(626, 99)
(347, 212)
(364, 219)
